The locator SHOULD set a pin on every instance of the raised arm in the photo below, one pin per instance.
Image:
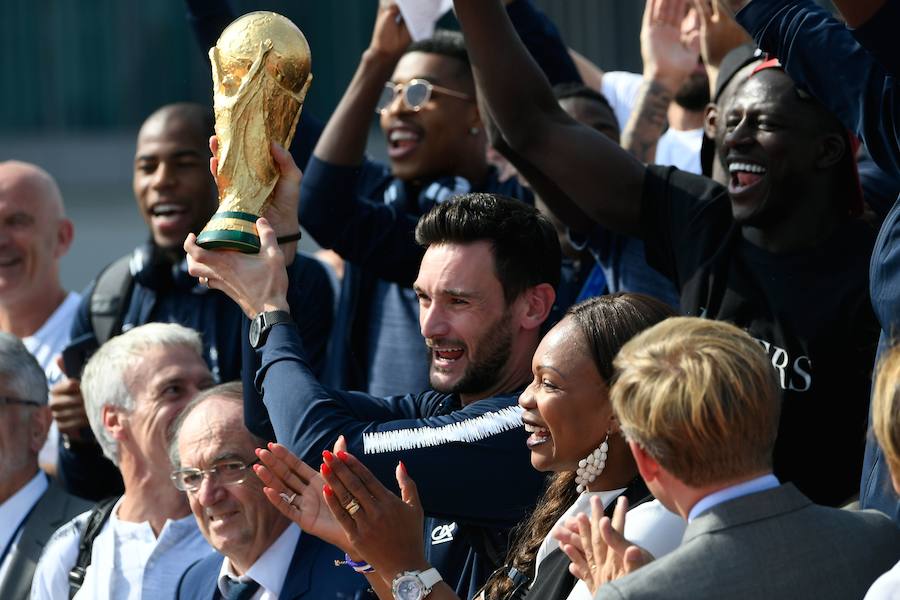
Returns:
(668, 61)
(344, 140)
(543, 41)
(601, 178)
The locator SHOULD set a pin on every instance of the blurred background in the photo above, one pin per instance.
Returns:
(80, 76)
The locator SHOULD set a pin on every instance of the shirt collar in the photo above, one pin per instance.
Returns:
(270, 568)
(758, 484)
(16, 507)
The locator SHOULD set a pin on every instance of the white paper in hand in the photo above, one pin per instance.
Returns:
(421, 16)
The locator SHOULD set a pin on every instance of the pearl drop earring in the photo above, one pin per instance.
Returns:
(591, 467)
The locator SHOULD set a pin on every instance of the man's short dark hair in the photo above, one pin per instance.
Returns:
(446, 43)
(525, 244)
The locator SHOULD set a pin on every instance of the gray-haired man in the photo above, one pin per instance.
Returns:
(31, 505)
(134, 387)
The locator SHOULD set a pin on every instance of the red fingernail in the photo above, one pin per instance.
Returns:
(328, 456)
(402, 466)
(326, 470)
(327, 490)
(342, 455)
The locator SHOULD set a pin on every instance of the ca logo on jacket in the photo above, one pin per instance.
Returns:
(442, 534)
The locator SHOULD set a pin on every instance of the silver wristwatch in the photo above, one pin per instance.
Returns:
(415, 585)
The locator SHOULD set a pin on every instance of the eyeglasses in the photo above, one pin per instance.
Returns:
(232, 472)
(415, 93)
(4, 400)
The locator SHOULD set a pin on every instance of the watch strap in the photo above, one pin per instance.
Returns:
(263, 322)
(430, 578)
(274, 317)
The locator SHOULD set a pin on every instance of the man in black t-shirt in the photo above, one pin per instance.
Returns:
(780, 252)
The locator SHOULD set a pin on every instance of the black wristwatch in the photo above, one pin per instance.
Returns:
(263, 322)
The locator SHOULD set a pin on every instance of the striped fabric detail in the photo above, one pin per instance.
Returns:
(470, 430)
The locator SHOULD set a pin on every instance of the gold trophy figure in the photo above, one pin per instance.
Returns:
(261, 72)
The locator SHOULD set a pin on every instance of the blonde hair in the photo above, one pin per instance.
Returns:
(885, 409)
(700, 397)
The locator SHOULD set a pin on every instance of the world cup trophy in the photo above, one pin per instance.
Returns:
(261, 73)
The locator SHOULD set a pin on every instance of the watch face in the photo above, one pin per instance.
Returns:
(408, 588)
(254, 332)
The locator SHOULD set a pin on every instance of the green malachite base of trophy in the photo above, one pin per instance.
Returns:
(230, 230)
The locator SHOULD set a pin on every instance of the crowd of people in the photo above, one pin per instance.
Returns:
(587, 334)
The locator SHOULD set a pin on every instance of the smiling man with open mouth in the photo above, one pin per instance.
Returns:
(779, 249)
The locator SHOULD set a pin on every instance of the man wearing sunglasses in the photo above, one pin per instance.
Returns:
(424, 96)
(260, 552)
(134, 387)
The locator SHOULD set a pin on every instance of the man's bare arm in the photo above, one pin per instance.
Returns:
(344, 140)
(647, 121)
(601, 179)
(668, 62)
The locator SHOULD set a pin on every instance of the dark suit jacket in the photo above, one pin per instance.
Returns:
(312, 575)
(773, 544)
(53, 510)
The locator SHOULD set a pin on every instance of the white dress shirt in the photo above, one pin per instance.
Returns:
(270, 569)
(128, 562)
(648, 525)
(759, 484)
(14, 510)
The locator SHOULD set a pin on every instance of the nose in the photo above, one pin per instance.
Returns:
(210, 491)
(739, 137)
(397, 105)
(526, 398)
(163, 176)
(433, 321)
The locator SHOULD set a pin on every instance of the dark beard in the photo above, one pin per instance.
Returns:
(485, 366)
(693, 95)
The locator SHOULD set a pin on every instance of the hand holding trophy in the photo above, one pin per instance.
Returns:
(261, 73)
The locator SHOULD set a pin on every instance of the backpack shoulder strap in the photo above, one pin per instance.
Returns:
(92, 527)
(109, 299)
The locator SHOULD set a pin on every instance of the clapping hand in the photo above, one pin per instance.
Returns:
(385, 530)
(597, 547)
(295, 489)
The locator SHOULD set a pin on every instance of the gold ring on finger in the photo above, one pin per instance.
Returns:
(352, 507)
